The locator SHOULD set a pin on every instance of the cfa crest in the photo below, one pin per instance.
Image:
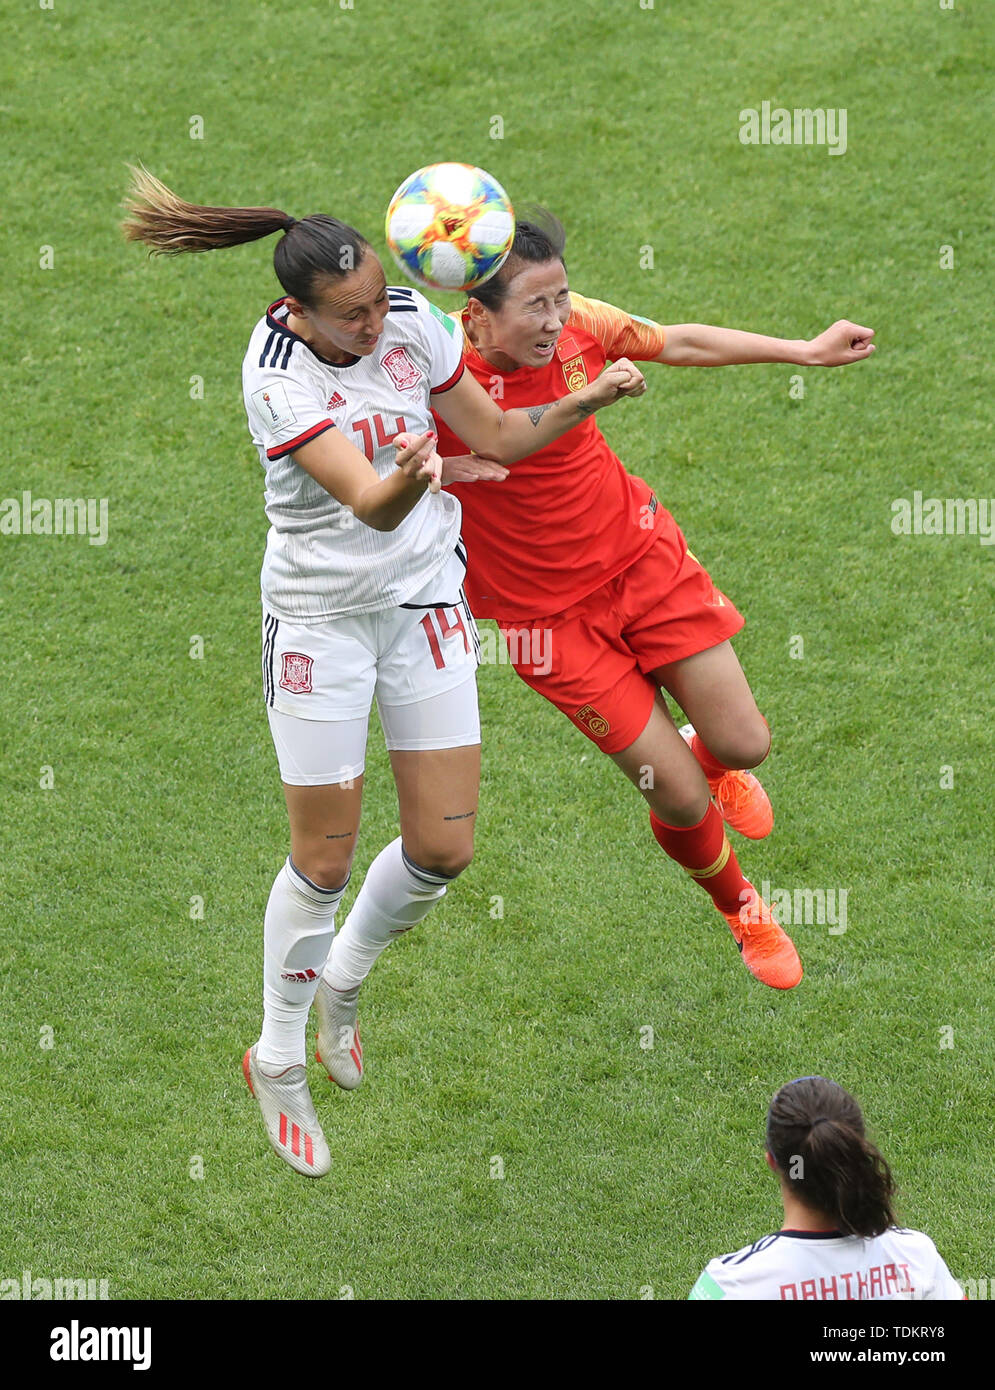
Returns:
(296, 673)
(596, 723)
(575, 374)
(400, 368)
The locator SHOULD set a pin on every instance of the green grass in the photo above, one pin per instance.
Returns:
(518, 1037)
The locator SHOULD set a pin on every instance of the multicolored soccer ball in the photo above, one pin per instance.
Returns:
(450, 226)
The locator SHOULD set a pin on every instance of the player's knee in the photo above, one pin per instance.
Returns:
(679, 806)
(326, 868)
(450, 860)
(744, 747)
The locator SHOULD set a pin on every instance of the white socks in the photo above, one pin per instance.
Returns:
(297, 936)
(395, 896)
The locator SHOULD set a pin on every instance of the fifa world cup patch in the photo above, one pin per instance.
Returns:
(273, 406)
(400, 368)
(596, 723)
(296, 675)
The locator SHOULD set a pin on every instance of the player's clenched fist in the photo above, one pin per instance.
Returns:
(621, 378)
(842, 343)
(417, 458)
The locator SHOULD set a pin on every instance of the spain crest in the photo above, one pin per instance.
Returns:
(296, 675)
(400, 368)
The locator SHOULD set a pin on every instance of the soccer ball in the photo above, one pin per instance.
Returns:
(450, 226)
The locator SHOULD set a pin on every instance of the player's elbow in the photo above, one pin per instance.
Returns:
(377, 520)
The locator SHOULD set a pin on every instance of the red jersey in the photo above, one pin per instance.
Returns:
(569, 518)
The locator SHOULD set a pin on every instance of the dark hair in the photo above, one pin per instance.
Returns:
(539, 237)
(313, 248)
(840, 1172)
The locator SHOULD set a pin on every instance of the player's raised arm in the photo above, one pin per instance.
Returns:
(704, 345)
(507, 435)
(707, 345)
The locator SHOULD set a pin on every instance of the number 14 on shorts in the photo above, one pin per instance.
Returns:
(446, 629)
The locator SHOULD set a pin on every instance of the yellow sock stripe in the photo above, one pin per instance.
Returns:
(719, 864)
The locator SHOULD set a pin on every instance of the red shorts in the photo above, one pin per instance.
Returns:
(593, 660)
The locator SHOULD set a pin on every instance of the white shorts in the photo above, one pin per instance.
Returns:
(418, 660)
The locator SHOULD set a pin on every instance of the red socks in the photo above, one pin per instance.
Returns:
(710, 766)
(705, 852)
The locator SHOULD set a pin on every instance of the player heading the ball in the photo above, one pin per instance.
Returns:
(362, 597)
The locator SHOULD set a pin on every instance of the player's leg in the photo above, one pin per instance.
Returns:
(712, 690)
(688, 827)
(602, 653)
(300, 915)
(437, 790)
(320, 671)
(427, 697)
(727, 733)
(680, 639)
(684, 820)
(299, 925)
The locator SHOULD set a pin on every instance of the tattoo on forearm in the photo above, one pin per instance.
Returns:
(344, 836)
(536, 412)
(465, 816)
(584, 409)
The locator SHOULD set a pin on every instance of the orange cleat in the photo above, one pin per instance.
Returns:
(741, 800)
(768, 951)
(744, 804)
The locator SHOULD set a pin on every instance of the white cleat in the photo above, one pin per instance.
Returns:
(288, 1114)
(339, 1050)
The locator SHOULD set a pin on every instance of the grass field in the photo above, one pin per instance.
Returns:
(137, 779)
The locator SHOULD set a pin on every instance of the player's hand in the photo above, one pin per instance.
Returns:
(842, 343)
(618, 379)
(472, 468)
(417, 458)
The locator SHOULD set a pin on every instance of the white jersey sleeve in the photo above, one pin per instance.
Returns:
(289, 410)
(445, 342)
(942, 1286)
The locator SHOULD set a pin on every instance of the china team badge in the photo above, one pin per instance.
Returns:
(296, 673)
(596, 723)
(575, 373)
(400, 368)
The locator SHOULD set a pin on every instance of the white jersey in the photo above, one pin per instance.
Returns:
(320, 561)
(825, 1265)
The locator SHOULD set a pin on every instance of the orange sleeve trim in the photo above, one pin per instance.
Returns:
(619, 333)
